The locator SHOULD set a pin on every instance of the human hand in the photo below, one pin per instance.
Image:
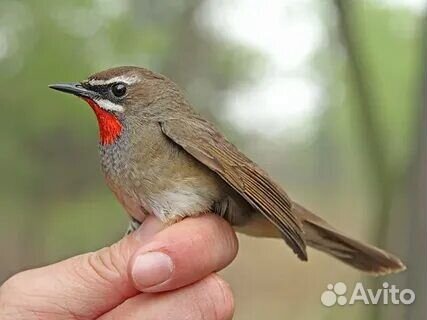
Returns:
(153, 273)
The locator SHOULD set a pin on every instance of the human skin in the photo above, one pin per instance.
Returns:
(154, 273)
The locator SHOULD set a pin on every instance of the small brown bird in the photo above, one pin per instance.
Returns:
(160, 157)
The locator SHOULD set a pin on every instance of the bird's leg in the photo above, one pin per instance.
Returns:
(133, 225)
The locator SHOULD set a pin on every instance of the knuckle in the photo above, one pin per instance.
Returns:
(12, 293)
(7, 286)
(11, 285)
(5, 291)
(107, 265)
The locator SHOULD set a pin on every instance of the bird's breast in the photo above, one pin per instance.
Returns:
(152, 175)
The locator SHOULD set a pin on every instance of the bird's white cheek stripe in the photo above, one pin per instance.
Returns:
(109, 106)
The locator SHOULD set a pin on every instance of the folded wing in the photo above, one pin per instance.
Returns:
(201, 140)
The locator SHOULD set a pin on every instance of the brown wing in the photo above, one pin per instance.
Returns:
(200, 139)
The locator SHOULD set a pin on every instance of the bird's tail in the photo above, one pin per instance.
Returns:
(322, 236)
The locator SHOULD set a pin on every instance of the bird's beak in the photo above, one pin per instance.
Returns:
(74, 88)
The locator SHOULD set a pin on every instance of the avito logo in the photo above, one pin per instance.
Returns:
(337, 294)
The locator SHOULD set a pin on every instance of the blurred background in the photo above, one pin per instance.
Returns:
(328, 96)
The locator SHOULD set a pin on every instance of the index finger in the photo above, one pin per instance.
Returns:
(183, 253)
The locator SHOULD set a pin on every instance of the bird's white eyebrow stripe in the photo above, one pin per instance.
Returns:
(125, 79)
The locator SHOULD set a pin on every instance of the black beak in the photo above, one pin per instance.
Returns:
(74, 88)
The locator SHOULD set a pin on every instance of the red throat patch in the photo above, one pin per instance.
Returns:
(109, 126)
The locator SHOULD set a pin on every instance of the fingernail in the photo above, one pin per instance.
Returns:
(151, 269)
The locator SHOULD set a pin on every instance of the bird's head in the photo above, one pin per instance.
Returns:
(118, 94)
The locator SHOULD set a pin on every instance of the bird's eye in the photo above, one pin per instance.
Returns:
(118, 89)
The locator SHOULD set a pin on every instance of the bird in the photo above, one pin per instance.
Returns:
(160, 157)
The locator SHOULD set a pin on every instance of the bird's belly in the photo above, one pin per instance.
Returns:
(170, 185)
(169, 195)
(181, 200)
(175, 196)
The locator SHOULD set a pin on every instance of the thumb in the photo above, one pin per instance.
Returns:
(88, 285)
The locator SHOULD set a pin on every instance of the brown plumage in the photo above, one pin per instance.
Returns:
(201, 140)
(162, 158)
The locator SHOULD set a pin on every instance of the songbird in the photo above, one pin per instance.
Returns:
(160, 157)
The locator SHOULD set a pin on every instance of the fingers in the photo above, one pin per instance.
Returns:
(183, 253)
(84, 286)
(208, 299)
(89, 285)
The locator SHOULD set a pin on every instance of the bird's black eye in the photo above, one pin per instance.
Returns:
(118, 89)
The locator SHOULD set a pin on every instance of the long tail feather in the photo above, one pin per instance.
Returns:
(322, 236)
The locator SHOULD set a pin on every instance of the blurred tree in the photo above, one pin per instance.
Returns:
(386, 168)
(416, 191)
(365, 110)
